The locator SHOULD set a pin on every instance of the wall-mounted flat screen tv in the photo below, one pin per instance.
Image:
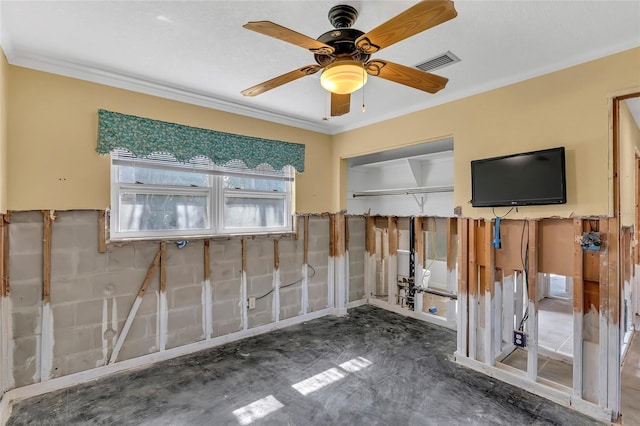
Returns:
(523, 179)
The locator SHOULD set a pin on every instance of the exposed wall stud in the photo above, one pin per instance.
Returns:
(163, 311)
(207, 305)
(532, 322)
(578, 313)
(102, 231)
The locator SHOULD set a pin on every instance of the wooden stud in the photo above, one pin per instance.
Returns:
(305, 256)
(463, 306)
(163, 267)
(489, 301)
(243, 285)
(305, 262)
(276, 281)
(207, 262)
(102, 231)
(613, 320)
(603, 352)
(418, 244)
(392, 260)
(473, 290)
(578, 308)
(5, 286)
(532, 323)
(452, 258)
(370, 236)
(48, 217)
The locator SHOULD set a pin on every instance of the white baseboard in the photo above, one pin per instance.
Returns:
(430, 318)
(519, 378)
(356, 303)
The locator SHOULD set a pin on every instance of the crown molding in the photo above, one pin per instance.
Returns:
(40, 62)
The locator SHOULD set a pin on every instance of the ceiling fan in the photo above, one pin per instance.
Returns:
(343, 54)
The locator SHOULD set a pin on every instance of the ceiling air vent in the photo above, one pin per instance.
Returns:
(439, 61)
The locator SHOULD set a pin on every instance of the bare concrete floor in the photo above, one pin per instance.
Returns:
(371, 367)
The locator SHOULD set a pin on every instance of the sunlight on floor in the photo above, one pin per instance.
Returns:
(257, 410)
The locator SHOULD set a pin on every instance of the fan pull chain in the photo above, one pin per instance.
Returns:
(364, 108)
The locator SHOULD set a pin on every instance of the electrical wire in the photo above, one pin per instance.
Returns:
(524, 258)
(504, 215)
(299, 280)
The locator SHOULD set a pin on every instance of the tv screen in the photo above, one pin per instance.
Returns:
(527, 178)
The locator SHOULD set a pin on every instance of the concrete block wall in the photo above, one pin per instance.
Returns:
(92, 293)
(357, 232)
(25, 266)
(185, 281)
(291, 263)
(225, 259)
(318, 258)
(260, 255)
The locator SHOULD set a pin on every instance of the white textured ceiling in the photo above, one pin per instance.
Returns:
(198, 52)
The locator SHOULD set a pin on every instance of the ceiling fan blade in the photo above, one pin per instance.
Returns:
(281, 79)
(418, 18)
(290, 36)
(340, 104)
(408, 76)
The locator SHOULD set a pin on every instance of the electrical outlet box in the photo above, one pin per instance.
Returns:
(252, 303)
(519, 339)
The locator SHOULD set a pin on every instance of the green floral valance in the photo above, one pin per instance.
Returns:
(143, 136)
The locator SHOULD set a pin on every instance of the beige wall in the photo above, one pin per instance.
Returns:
(566, 108)
(629, 137)
(52, 128)
(3, 132)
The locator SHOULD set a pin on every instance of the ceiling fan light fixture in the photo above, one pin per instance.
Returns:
(343, 77)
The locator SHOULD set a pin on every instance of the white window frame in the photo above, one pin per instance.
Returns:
(214, 192)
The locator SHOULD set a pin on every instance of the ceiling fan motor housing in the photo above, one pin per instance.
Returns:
(343, 41)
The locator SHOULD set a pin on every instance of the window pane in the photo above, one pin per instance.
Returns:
(145, 212)
(234, 182)
(138, 174)
(249, 212)
(436, 245)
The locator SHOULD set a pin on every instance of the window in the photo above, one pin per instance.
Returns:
(158, 197)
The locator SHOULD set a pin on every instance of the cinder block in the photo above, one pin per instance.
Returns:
(259, 285)
(26, 266)
(226, 290)
(231, 250)
(179, 275)
(86, 216)
(186, 297)
(190, 254)
(223, 271)
(76, 339)
(122, 258)
(64, 316)
(182, 318)
(144, 253)
(86, 237)
(224, 327)
(291, 296)
(356, 288)
(25, 237)
(226, 310)
(139, 328)
(63, 263)
(148, 306)
(26, 293)
(318, 259)
(260, 318)
(184, 336)
(23, 375)
(69, 289)
(83, 361)
(24, 353)
(259, 265)
(127, 282)
(32, 216)
(89, 312)
(63, 235)
(135, 348)
(86, 262)
(26, 322)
